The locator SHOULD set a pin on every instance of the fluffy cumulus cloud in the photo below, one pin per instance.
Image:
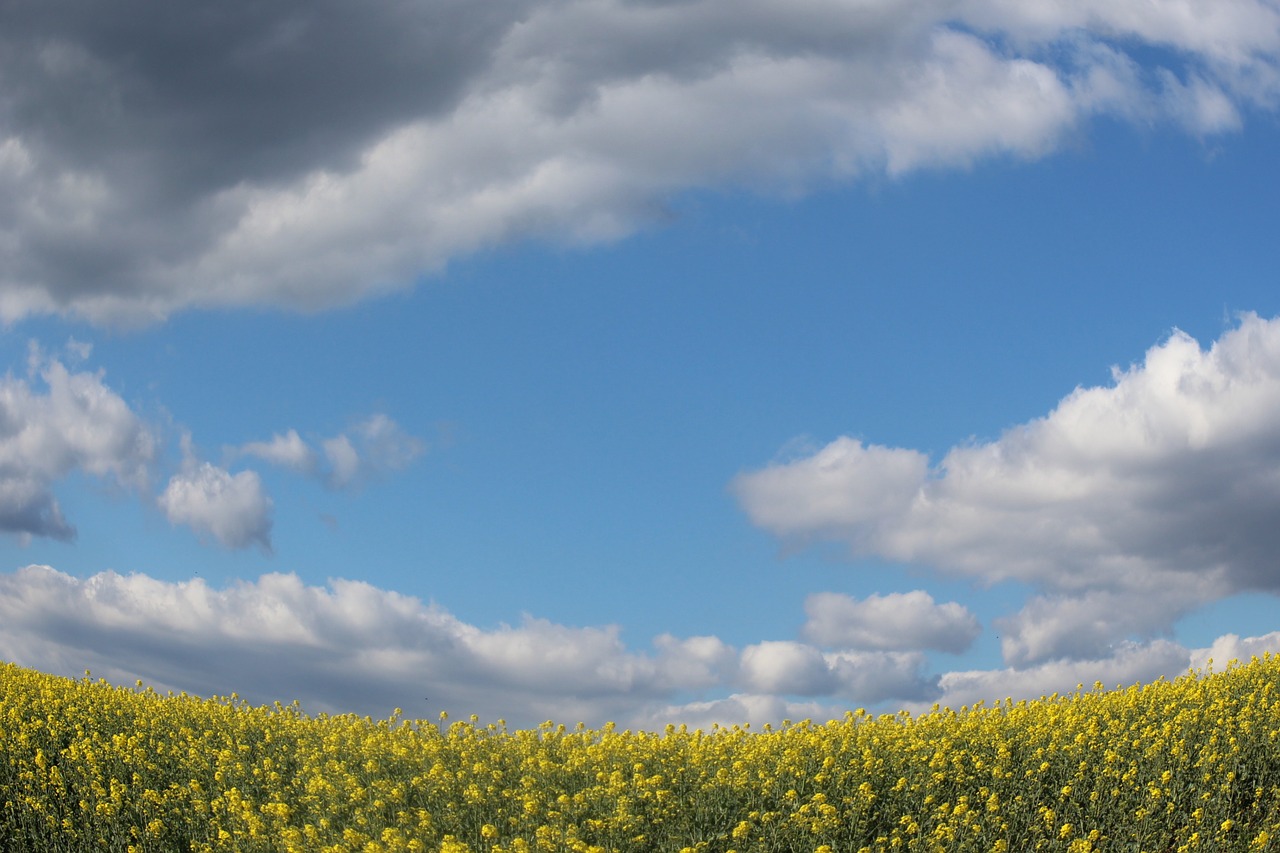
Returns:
(306, 154)
(55, 422)
(897, 621)
(231, 509)
(1127, 506)
(1233, 647)
(781, 667)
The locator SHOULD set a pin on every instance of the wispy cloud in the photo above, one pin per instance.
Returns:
(306, 155)
(372, 448)
(287, 451)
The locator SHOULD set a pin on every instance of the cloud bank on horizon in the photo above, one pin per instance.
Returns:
(352, 647)
(1125, 507)
(306, 155)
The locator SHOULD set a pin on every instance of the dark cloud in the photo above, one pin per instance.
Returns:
(191, 99)
(161, 107)
(158, 156)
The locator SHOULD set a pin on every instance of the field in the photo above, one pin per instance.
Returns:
(1189, 764)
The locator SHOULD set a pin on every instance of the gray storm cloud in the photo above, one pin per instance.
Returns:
(156, 157)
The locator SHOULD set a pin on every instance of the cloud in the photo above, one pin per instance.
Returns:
(792, 668)
(695, 662)
(55, 423)
(1128, 504)
(787, 667)
(1130, 663)
(374, 447)
(1088, 625)
(1233, 647)
(350, 646)
(287, 451)
(749, 709)
(232, 509)
(308, 155)
(897, 621)
(1124, 665)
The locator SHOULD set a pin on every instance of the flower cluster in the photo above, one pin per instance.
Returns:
(1176, 765)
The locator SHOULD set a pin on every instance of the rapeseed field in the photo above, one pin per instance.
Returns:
(1189, 764)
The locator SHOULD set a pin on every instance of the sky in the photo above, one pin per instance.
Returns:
(645, 361)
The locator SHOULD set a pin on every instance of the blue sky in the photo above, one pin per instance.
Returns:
(639, 361)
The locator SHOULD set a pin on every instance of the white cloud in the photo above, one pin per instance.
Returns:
(374, 447)
(287, 451)
(347, 646)
(350, 646)
(1130, 663)
(1024, 107)
(233, 509)
(1228, 32)
(844, 490)
(1122, 666)
(798, 669)
(896, 621)
(378, 143)
(1128, 504)
(386, 446)
(344, 462)
(877, 677)
(1089, 624)
(750, 709)
(695, 663)
(787, 667)
(55, 423)
(1233, 647)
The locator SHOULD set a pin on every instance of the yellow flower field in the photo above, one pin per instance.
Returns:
(1191, 764)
